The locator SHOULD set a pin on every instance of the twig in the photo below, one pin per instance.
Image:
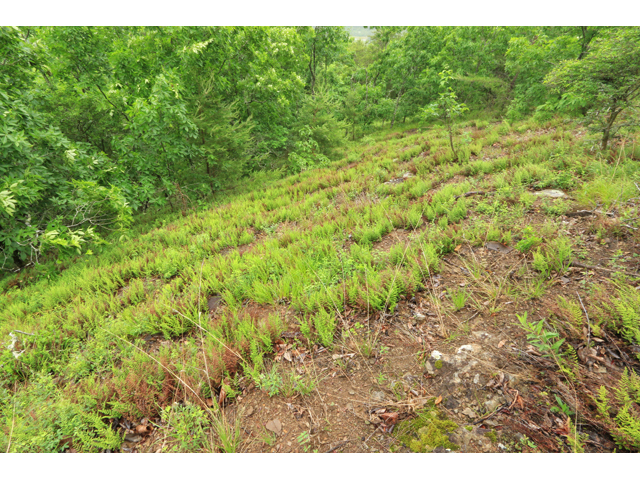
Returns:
(13, 418)
(24, 333)
(468, 194)
(588, 321)
(340, 445)
(593, 267)
(495, 412)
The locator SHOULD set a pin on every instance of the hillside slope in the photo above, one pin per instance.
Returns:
(402, 299)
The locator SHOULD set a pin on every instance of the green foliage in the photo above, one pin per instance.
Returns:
(627, 313)
(625, 425)
(606, 82)
(546, 341)
(306, 153)
(186, 427)
(459, 298)
(325, 324)
(427, 432)
(446, 108)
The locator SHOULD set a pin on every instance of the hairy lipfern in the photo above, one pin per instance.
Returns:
(572, 312)
(628, 424)
(625, 426)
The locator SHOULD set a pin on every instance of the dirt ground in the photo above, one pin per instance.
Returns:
(475, 364)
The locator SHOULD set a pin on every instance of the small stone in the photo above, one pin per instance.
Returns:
(378, 396)
(492, 404)
(351, 392)
(420, 317)
(464, 349)
(249, 412)
(497, 247)
(436, 354)
(132, 438)
(469, 413)
(451, 403)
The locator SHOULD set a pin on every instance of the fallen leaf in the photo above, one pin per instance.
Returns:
(457, 249)
(501, 344)
(274, 426)
(438, 400)
(390, 418)
(143, 429)
(287, 356)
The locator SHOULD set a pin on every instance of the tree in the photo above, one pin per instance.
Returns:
(446, 108)
(53, 193)
(606, 82)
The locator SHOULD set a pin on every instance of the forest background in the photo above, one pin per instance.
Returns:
(101, 123)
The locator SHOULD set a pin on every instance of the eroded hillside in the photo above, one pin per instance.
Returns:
(404, 299)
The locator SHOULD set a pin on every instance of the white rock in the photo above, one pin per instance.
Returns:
(436, 354)
(465, 348)
(551, 193)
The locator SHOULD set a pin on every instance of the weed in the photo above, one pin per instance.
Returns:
(186, 427)
(459, 298)
(295, 383)
(271, 381)
(227, 433)
(546, 341)
(325, 324)
(529, 241)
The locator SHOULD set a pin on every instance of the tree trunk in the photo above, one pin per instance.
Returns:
(451, 138)
(312, 68)
(393, 120)
(607, 129)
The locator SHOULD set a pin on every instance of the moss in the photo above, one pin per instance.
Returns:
(428, 431)
(438, 364)
(491, 435)
(469, 428)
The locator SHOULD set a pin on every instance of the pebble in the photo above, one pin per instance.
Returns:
(378, 396)
(469, 413)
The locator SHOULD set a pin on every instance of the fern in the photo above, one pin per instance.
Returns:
(629, 428)
(625, 427)
(572, 311)
(568, 362)
(627, 309)
(325, 325)
(602, 403)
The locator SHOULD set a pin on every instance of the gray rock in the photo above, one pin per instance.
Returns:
(551, 193)
(451, 403)
(469, 413)
(378, 396)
